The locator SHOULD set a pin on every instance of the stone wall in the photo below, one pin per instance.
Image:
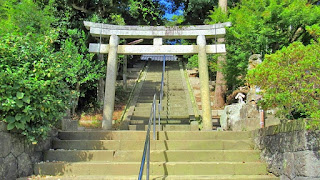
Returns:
(17, 156)
(290, 151)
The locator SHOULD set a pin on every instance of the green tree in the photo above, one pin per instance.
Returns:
(290, 79)
(263, 27)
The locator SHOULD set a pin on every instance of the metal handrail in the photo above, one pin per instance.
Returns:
(152, 118)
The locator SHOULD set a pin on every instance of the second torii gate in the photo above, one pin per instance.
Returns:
(157, 33)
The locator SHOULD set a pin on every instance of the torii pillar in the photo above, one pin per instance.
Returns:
(110, 87)
(204, 84)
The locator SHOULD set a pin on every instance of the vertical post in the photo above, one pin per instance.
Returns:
(110, 88)
(204, 84)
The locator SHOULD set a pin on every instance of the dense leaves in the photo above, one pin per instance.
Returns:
(290, 79)
(32, 93)
(37, 79)
(263, 27)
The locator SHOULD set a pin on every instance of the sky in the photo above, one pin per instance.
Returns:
(167, 14)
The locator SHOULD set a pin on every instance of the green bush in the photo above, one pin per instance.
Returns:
(290, 79)
(40, 72)
(33, 93)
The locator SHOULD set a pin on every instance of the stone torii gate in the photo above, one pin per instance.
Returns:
(157, 33)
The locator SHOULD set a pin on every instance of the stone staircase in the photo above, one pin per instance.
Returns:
(174, 155)
(176, 105)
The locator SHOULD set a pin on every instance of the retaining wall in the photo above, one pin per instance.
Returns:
(290, 151)
(17, 156)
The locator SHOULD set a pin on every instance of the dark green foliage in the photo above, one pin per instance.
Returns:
(134, 12)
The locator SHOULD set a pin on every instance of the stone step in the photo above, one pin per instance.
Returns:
(176, 100)
(144, 105)
(179, 116)
(175, 82)
(172, 135)
(176, 87)
(142, 127)
(177, 127)
(177, 104)
(151, 85)
(130, 70)
(177, 94)
(173, 92)
(174, 74)
(157, 177)
(172, 81)
(181, 109)
(146, 97)
(132, 76)
(154, 145)
(178, 111)
(163, 127)
(156, 168)
(146, 113)
(136, 72)
(145, 101)
(216, 122)
(140, 119)
(145, 108)
(155, 155)
(163, 120)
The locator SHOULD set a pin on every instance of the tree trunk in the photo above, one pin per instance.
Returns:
(221, 88)
(223, 4)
